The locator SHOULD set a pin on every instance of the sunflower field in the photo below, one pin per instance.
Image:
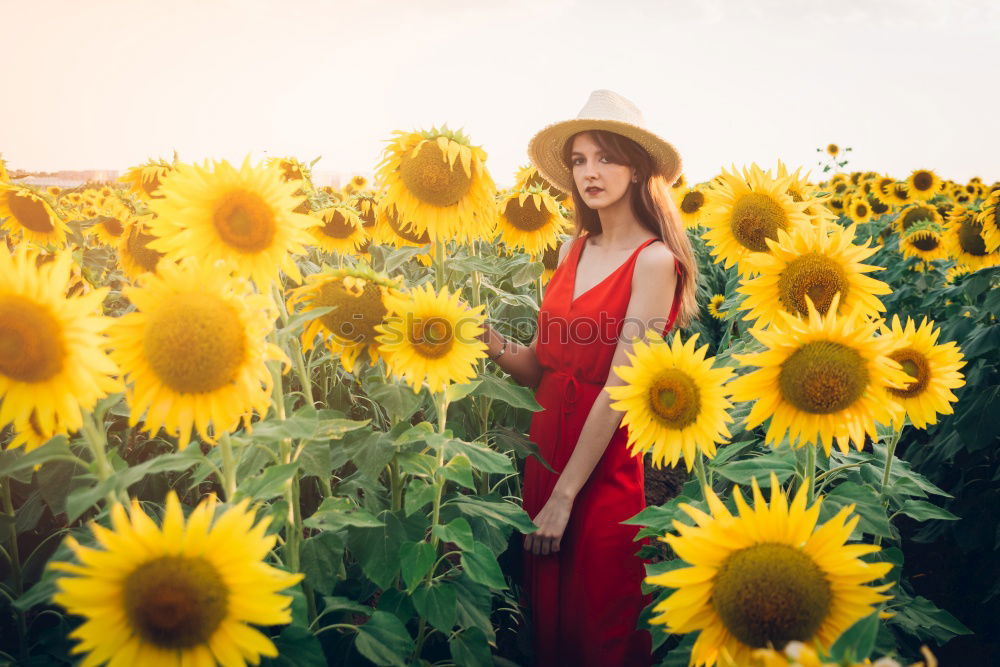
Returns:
(250, 419)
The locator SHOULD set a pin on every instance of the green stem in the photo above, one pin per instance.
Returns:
(97, 442)
(15, 566)
(699, 470)
(890, 450)
(396, 484)
(438, 245)
(441, 403)
(810, 473)
(300, 367)
(228, 466)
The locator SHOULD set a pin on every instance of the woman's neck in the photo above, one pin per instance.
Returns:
(620, 229)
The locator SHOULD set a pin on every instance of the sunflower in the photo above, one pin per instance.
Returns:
(194, 349)
(821, 378)
(243, 216)
(342, 230)
(745, 210)
(529, 219)
(357, 296)
(858, 209)
(818, 262)
(926, 244)
(550, 261)
(144, 179)
(527, 177)
(879, 207)
(933, 371)
(134, 253)
(291, 169)
(53, 359)
(963, 240)
(766, 576)
(914, 213)
(110, 222)
(29, 216)
(390, 229)
(431, 337)
(691, 204)
(714, 304)
(185, 593)
(923, 184)
(674, 401)
(989, 218)
(832, 149)
(899, 193)
(438, 181)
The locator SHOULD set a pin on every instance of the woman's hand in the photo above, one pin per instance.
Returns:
(551, 522)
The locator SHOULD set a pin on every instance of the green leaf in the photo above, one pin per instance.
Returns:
(13, 462)
(438, 604)
(873, 519)
(497, 512)
(398, 399)
(922, 510)
(297, 647)
(456, 392)
(418, 494)
(858, 641)
(168, 462)
(298, 320)
(502, 390)
(527, 273)
(316, 460)
(335, 603)
(377, 550)
(338, 512)
(321, 561)
(459, 470)
(415, 559)
(470, 648)
(781, 462)
(474, 604)
(481, 565)
(269, 483)
(413, 463)
(458, 532)
(482, 458)
(384, 640)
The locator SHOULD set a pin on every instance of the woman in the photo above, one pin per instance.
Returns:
(631, 269)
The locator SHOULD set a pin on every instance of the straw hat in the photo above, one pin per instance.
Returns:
(605, 110)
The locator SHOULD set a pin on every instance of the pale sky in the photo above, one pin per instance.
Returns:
(105, 84)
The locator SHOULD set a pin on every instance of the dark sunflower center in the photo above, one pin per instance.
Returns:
(150, 185)
(922, 181)
(431, 179)
(31, 340)
(244, 221)
(899, 190)
(915, 365)
(405, 231)
(771, 593)
(145, 257)
(756, 217)
(432, 337)
(175, 602)
(814, 275)
(925, 242)
(355, 314)
(674, 398)
(195, 343)
(30, 212)
(366, 210)
(526, 217)
(970, 237)
(878, 207)
(550, 258)
(861, 210)
(692, 202)
(915, 215)
(337, 226)
(823, 377)
(112, 226)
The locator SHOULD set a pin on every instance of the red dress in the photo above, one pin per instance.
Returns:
(585, 600)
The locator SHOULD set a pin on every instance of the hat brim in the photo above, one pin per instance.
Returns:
(545, 149)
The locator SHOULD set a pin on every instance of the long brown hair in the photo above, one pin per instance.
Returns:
(651, 205)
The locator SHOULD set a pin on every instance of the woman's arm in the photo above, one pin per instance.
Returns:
(647, 309)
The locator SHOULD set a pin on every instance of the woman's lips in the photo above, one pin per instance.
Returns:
(593, 191)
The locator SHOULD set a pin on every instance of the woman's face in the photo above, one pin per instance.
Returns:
(600, 182)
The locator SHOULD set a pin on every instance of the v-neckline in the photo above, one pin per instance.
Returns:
(576, 266)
